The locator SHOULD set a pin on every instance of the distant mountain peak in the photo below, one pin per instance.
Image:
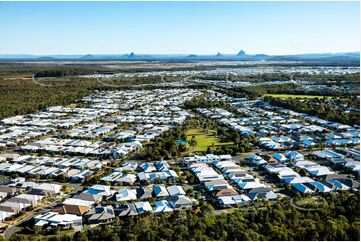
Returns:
(241, 53)
(219, 54)
(131, 54)
(89, 56)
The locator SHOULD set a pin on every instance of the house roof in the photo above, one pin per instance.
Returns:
(73, 209)
(144, 193)
(100, 213)
(88, 197)
(175, 190)
(226, 192)
(160, 191)
(179, 200)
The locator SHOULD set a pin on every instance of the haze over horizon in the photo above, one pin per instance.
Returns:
(202, 28)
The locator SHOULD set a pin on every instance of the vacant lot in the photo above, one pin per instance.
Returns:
(204, 139)
(295, 96)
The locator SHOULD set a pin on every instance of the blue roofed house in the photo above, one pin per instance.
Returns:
(280, 157)
(294, 155)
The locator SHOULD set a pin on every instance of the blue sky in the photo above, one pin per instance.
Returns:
(178, 27)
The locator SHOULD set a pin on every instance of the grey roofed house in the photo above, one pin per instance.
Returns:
(126, 210)
(216, 185)
(350, 183)
(180, 202)
(88, 197)
(99, 215)
(144, 193)
(9, 190)
(262, 193)
(335, 176)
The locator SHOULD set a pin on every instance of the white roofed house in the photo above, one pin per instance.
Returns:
(143, 207)
(100, 190)
(180, 202)
(47, 189)
(126, 194)
(233, 201)
(175, 190)
(249, 183)
(58, 220)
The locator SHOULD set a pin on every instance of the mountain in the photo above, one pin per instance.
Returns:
(46, 58)
(345, 57)
(241, 53)
(192, 56)
(87, 57)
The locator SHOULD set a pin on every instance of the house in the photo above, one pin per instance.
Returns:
(99, 215)
(143, 193)
(249, 183)
(72, 209)
(180, 202)
(27, 198)
(226, 192)
(257, 160)
(322, 186)
(319, 170)
(216, 185)
(262, 193)
(162, 207)
(126, 210)
(280, 157)
(9, 190)
(58, 220)
(233, 201)
(269, 158)
(14, 206)
(47, 189)
(143, 207)
(294, 155)
(78, 202)
(4, 215)
(304, 187)
(160, 191)
(126, 194)
(88, 197)
(148, 167)
(175, 190)
(100, 190)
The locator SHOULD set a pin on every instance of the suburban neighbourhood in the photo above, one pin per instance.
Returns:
(76, 165)
(180, 121)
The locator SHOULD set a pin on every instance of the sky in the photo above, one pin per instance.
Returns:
(45, 28)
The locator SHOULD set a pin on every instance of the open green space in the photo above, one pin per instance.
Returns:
(295, 96)
(204, 139)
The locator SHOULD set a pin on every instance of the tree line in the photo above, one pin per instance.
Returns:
(338, 219)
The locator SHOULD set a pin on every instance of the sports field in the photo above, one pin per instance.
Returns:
(295, 96)
(204, 139)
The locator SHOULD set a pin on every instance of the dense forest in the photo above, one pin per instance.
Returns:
(27, 96)
(333, 110)
(339, 219)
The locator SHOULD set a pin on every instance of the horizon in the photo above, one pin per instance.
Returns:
(173, 54)
(178, 28)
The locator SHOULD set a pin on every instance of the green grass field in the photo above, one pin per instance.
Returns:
(204, 139)
(294, 96)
